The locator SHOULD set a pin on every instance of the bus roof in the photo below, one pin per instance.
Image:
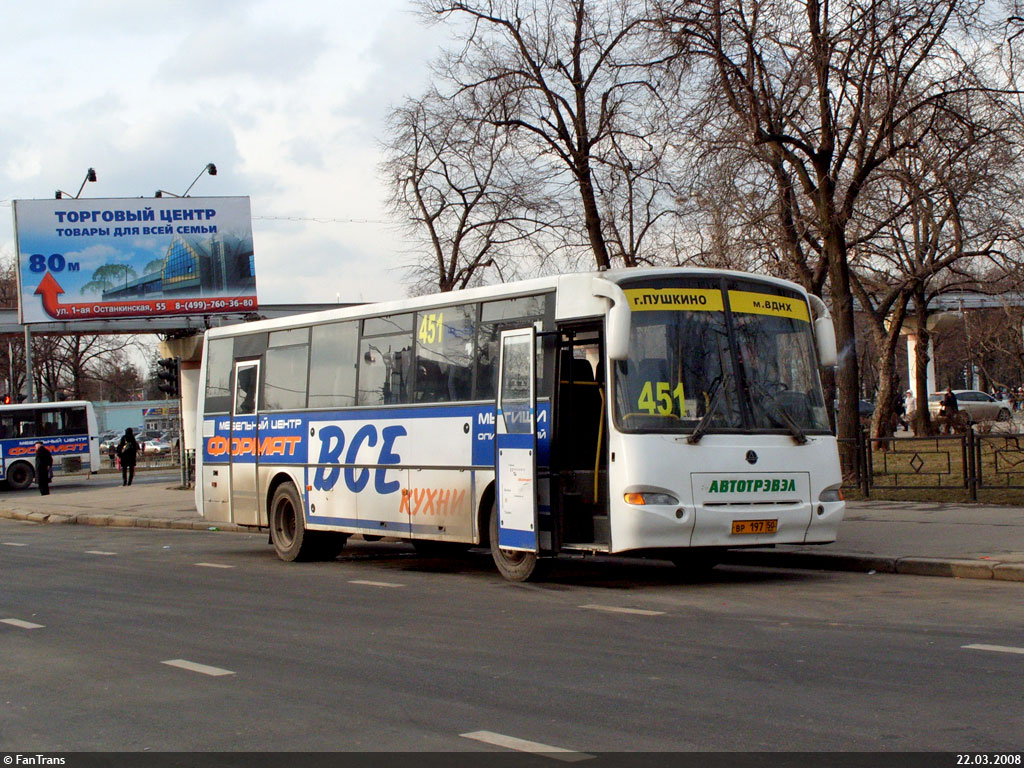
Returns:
(53, 404)
(489, 292)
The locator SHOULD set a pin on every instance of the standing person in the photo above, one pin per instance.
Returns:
(127, 452)
(948, 410)
(899, 409)
(910, 409)
(44, 464)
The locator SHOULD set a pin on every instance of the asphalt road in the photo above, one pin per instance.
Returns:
(134, 639)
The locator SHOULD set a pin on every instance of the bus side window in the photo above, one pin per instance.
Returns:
(444, 354)
(334, 352)
(75, 421)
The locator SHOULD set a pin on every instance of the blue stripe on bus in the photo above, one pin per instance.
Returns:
(283, 437)
(508, 537)
(374, 527)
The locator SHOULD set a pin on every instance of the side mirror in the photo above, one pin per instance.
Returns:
(825, 337)
(617, 337)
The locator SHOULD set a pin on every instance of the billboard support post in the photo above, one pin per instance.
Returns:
(29, 398)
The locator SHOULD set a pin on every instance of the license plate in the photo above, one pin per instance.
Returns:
(754, 526)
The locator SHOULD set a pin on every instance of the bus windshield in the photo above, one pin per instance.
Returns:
(719, 356)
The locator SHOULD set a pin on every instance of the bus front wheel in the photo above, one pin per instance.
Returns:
(513, 565)
(20, 475)
(292, 541)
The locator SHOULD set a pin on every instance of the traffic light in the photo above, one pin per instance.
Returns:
(6, 400)
(168, 375)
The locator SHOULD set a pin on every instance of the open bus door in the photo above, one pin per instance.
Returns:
(515, 447)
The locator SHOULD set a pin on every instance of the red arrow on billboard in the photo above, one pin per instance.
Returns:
(50, 289)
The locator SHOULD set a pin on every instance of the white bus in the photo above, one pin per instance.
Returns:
(67, 429)
(674, 412)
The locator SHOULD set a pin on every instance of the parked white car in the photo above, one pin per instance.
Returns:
(978, 405)
(155, 447)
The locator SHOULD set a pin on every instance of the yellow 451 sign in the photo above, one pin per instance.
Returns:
(660, 397)
(431, 328)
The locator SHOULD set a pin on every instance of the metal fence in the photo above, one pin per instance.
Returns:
(970, 461)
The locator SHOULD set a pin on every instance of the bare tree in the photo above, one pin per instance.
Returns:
(457, 184)
(81, 367)
(582, 87)
(824, 92)
(941, 215)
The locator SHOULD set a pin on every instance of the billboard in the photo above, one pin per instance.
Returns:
(133, 257)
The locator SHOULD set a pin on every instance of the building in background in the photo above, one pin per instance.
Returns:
(160, 415)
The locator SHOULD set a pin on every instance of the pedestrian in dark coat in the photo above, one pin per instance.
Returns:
(44, 463)
(127, 452)
(948, 410)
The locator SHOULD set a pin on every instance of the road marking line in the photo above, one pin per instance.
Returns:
(997, 648)
(98, 552)
(203, 669)
(214, 565)
(21, 624)
(617, 609)
(521, 745)
(375, 583)
(14, 544)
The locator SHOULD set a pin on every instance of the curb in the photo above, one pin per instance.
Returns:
(821, 561)
(119, 521)
(910, 566)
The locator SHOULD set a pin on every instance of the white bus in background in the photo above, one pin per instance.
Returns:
(67, 429)
(669, 412)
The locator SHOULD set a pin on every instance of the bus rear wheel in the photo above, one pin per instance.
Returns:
(512, 564)
(292, 541)
(20, 475)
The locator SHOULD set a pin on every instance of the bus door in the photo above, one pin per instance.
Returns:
(244, 445)
(515, 441)
(579, 448)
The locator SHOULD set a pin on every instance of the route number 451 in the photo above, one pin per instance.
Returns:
(431, 328)
(657, 397)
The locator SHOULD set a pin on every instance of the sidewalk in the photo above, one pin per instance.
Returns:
(920, 538)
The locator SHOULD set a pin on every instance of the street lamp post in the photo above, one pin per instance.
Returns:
(209, 168)
(90, 175)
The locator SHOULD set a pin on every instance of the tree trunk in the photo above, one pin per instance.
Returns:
(922, 420)
(592, 216)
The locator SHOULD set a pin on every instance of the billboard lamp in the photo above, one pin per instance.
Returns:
(90, 175)
(209, 168)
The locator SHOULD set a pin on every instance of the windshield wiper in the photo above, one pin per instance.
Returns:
(780, 411)
(705, 423)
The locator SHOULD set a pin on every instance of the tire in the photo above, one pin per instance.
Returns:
(20, 475)
(513, 565)
(288, 531)
(1004, 415)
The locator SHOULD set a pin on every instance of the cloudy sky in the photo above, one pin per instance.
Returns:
(288, 99)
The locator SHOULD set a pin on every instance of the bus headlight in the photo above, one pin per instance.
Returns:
(834, 493)
(647, 498)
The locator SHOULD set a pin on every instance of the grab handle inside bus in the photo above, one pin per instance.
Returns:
(617, 338)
